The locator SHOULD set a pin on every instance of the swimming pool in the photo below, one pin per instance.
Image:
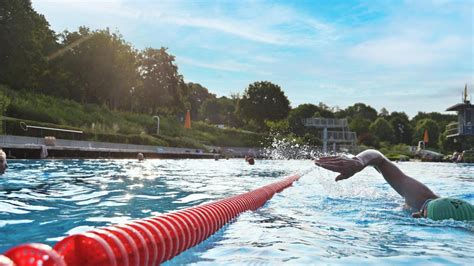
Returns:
(359, 221)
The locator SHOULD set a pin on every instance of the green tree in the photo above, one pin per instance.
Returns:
(312, 140)
(441, 119)
(324, 111)
(368, 139)
(401, 126)
(382, 129)
(359, 110)
(99, 67)
(433, 132)
(210, 111)
(219, 111)
(196, 95)
(296, 116)
(359, 125)
(228, 111)
(4, 103)
(280, 126)
(25, 41)
(384, 113)
(163, 86)
(262, 101)
(448, 145)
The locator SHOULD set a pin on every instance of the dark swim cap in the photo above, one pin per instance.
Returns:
(448, 208)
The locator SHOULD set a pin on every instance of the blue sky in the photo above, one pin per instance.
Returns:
(402, 55)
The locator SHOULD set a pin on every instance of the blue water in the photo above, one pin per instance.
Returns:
(317, 221)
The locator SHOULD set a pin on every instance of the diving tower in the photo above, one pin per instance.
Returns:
(464, 127)
(333, 131)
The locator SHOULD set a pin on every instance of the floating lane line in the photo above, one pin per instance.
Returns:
(149, 241)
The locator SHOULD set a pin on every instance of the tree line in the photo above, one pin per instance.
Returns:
(375, 129)
(100, 67)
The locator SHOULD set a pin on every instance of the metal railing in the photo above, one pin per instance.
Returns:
(341, 136)
(25, 127)
(452, 129)
(324, 122)
(12, 141)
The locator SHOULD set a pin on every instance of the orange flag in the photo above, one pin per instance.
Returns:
(187, 121)
(425, 136)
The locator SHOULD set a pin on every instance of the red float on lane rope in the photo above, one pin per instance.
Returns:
(148, 241)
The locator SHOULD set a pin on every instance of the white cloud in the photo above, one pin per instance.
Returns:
(407, 50)
(373, 52)
(274, 25)
(236, 28)
(227, 66)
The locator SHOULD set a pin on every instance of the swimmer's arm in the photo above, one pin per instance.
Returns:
(414, 192)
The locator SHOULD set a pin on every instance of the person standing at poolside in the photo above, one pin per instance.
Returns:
(3, 162)
(417, 195)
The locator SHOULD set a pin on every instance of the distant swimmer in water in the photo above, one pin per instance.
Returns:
(416, 194)
(140, 157)
(3, 162)
(250, 159)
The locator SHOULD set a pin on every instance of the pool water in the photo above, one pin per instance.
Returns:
(316, 221)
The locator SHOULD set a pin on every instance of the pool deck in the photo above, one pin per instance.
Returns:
(30, 147)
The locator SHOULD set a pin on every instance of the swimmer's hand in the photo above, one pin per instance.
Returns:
(344, 165)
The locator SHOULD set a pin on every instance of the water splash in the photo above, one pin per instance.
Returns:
(285, 148)
(282, 148)
(359, 186)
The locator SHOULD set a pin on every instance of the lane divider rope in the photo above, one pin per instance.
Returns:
(148, 241)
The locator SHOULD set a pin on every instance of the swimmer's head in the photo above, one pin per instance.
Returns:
(449, 208)
(3, 162)
(140, 156)
(251, 161)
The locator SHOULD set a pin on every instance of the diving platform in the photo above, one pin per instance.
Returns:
(319, 122)
(332, 131)
(341, 136)
(465, 124)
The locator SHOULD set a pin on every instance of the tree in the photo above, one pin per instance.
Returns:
(449, 145)
(299, 113)
(4, 103)
(433, 132)
(228, 111)
(361, 110)
(384, 113)
(163, 86)
(382, 129)
(368, 139)
(312, 140)
(262, 101)
(359, 125)
(401, 126)
(325, 111)
(441, 119)
(98, 67)
(25, 41)
(209, 111)
(196, 95)
(219, 111)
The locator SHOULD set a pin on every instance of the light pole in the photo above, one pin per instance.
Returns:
(132, 90)
(157, 124)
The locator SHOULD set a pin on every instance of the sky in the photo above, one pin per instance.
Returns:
(408, 56)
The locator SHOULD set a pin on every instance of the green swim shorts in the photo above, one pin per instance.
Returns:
(449, 208)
